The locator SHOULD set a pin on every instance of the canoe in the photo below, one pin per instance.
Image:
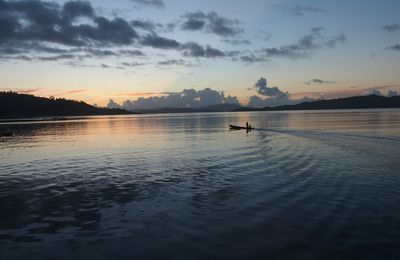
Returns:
(235, 127)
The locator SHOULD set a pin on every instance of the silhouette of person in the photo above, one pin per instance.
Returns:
(247, 125)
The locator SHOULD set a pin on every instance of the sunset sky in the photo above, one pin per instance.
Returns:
(125, 49)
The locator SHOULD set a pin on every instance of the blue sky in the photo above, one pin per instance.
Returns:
(318, 49)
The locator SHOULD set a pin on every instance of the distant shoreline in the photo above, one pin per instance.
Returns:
(73, 118)
(16, 107)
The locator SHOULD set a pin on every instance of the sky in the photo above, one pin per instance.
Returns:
(156, 53)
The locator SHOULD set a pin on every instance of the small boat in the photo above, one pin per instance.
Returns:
(235, 127)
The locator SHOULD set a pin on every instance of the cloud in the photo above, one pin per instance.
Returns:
(300, 10)
(193, 24)
(211, 23)
(395, 47)
(75, 9)
(70, 30)
(68, 92)
(236, 41)
(188, 98)
(150, 3)
(319, 81)
(158, 42)
(113, 104)
(146, 25)
(36, 22)
(253, 58)
(305, 45)
(23, 57)
(23, 91)
(375, 92)
(392, 93)
(274, 96)
(263, 89)
(192, 49)
(57, 57)
(391, 27)
(172, 62)
(132, 64)
(131, 53)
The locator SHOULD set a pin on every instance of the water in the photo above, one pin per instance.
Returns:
(308, 185)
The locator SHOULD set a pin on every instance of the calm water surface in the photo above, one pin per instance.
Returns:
(307, 185)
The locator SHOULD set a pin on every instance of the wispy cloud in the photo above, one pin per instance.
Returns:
(391, 27)
(305, 45)
(300, 10)
(319, 82)
(23, 90)
(395, 47)
(148, 3)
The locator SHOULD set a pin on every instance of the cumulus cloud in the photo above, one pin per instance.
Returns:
(113, 104)
(48, 31)
(273, 96)
(150, 3)
(392, 93)
(375, 92)
(305, 45)
(319, 81)
(212, 23)
(391, 27)
(188, 98)
(39, 25)
(263, 89)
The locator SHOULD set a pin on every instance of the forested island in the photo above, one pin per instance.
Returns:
(15, 105)
(358, 102)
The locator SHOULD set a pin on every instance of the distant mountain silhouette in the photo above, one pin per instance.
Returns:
(372, 101)
(14, 105)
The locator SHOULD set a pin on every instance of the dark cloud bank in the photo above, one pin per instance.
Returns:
(47, 31)
(77, 30)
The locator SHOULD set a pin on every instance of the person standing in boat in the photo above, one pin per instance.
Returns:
(247, 125)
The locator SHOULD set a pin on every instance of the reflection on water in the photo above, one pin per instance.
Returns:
(308, 185)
